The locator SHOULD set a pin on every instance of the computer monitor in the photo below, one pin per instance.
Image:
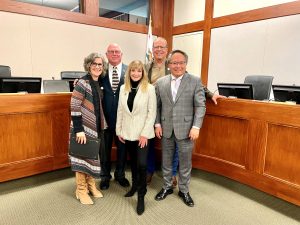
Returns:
(20, 84)
(236, 90)
(54, 86)
(283, 93)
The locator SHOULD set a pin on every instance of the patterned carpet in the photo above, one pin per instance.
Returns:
(49, 199)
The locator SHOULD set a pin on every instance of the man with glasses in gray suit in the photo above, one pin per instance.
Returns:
(180, 112)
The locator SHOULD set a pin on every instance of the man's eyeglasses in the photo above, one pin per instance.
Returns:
(97, 64)
(114, 52)
(159, 47)
(177, 63)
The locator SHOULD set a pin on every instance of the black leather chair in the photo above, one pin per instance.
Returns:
(261, 86)
(5, 71)
(72, 74)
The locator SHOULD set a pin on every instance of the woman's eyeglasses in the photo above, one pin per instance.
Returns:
(97, 64)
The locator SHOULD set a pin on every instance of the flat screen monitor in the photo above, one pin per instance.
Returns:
(284, 93)
(54, 86)
(20, 84)
(236, 90)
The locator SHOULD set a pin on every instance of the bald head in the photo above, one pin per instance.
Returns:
(160, 49)
(114, 54)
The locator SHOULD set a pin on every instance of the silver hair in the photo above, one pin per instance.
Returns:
(91, 58)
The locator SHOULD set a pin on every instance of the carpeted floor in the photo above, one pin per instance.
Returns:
(49, 199)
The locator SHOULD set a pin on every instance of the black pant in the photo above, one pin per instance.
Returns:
(138, 161)
(105, 157)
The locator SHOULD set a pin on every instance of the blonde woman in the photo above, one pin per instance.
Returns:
(135, 125)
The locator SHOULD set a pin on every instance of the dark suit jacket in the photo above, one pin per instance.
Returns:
(111, 99)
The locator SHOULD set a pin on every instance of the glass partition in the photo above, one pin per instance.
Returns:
(133, 11)
(69, 5)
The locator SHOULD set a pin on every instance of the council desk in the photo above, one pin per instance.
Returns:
(256, 143)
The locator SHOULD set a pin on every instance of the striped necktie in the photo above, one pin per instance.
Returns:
(115, 79)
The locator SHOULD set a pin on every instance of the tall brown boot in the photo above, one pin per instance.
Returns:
(92, 187)
(81, 190)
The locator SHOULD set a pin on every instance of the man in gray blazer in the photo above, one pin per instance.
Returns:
(180, 113)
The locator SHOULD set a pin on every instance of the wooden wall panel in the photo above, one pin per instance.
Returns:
(282, 158)
(257, 140)
(33, 134)
(229, 140)
(61, 122)
(270, 145)
(25, 136)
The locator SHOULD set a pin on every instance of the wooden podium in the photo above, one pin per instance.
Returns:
(34, 130)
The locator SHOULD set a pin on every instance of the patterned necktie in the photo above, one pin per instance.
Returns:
(115, 79)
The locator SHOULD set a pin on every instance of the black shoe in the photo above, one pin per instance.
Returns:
(123, 182)
(186, 198)
(131, 192)
(163, 194)
(140, 205)
(104, 184)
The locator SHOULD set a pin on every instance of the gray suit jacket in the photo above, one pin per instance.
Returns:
(188, 109)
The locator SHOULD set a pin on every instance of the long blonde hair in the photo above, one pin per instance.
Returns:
(136, 64)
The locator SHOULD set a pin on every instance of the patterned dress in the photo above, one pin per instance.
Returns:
(87, 114)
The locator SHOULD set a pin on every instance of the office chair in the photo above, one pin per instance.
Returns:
(72, 74)
(261, 86)
(5, 71)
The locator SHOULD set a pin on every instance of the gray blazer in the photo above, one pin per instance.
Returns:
(188, 109)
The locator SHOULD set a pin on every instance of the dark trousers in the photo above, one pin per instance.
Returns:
(138, 162)
(105, 157)
(151, 156)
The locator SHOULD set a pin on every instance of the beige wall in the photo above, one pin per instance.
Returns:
(268, 47)
(35, 46)
(191, 43)
(222, 8)
(188, 11)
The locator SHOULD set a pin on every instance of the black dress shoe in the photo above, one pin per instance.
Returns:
(123, 182)
(186, 198)
(163, 194)
(104, 184)
(131, 192)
